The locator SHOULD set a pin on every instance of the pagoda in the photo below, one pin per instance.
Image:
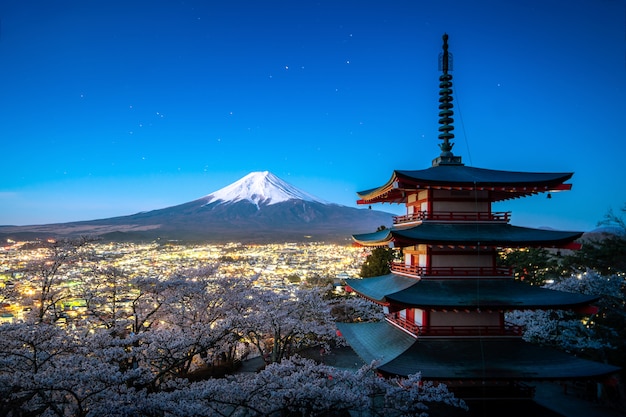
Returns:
(445, 301)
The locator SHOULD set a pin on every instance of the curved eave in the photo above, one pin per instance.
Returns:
(380, 194)
(380, 238)
(486, 294)
(377, 288)
(475, 234)
(376, 341)
(503, 185)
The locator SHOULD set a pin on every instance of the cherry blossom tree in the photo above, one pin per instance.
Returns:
(145, 337)
(351, 308)
(47, 278)
(280, 324)
(196, 327)
(104, 290)
(47, 370)
(571, 331)
(301, 387)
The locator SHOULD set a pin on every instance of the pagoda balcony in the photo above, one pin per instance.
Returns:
(508, 330)
(450, 271)
(453, 216)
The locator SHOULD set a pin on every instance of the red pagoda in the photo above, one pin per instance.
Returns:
(445, 302)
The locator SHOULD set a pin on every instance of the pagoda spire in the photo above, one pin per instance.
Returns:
(445, 109)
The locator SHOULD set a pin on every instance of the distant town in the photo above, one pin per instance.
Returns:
(279, 267)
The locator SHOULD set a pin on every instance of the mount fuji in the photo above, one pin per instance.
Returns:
(258, 208)
(261, 189)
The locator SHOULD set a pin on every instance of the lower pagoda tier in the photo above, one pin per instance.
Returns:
(400, 292)
(470, 234)
(443, 359)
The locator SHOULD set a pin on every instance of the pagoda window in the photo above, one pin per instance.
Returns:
(422, 260)
(410, 256)
(412, 316)
(423, 201)
(418, 316)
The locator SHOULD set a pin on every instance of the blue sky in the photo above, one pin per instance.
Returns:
(109, 108)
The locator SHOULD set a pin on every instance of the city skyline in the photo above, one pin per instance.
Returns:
(108, 109)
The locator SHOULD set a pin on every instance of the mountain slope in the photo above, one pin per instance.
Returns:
(259, 208)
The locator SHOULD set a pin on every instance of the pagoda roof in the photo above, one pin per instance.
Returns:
(503, 184)
(474, 234)
(465, 293)
(377, 288)
(397, 353)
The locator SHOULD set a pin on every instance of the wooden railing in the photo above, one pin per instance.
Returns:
(441, 331)
(448, 271)
(467, 216)
(507, 330)
(412, 328)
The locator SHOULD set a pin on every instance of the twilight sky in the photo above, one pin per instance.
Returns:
(109, 108)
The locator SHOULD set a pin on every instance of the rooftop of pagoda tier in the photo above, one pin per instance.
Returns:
(503, 185)
(398, 353)
(400, 292)
(467, 234)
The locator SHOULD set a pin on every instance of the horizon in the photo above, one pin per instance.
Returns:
(111, 109)
(226, 195)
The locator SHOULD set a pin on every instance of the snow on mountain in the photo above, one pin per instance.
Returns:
(260, 188)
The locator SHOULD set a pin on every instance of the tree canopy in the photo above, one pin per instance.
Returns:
(378, 262)
(598, 268)
(153, 346)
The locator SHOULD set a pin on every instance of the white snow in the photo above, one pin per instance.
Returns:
(260, 188)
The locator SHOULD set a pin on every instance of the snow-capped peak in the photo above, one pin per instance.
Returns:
(261, 188)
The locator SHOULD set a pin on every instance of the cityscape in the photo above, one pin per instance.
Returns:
(277, 267)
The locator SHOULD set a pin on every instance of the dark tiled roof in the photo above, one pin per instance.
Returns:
(467, 359)
(464, 293)
(486, 293)
(375, 342)
(465, 176)
(475, 234)
(377, 288)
